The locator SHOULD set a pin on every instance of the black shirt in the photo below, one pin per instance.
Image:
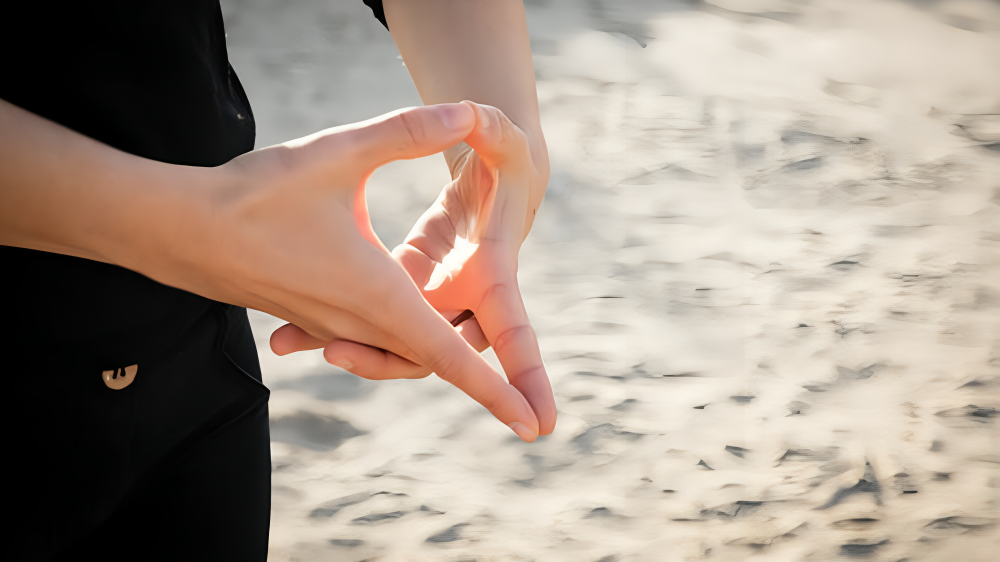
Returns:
(151, 78)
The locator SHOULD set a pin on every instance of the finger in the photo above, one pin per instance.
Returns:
(363, 360)
(377, 364)
(334, 323)
(370, 362)
(404, 134)
(459, 210)
(503, 148)
(466, 324)
(505, 324)
(469, 200)
(495, 138)
(434, 232)
(473, 334)
(290, 338)
(416, 263)
(419, 267)
(409, 317)
(407, 133)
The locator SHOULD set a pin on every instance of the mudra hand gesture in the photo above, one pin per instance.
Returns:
(462, 254)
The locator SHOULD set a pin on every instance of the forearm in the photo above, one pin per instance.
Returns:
(65, 193)
(475, 50)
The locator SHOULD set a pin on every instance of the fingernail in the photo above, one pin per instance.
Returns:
(455, 116)
(523, 432)
(344, 364)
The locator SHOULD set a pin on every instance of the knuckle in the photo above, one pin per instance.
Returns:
(448, 369)
(510, 335)
(408, 128)
(486, 392)
(527, 373)
(493, 294)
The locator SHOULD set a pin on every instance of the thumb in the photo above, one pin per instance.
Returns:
(417, 265)
(408, 133)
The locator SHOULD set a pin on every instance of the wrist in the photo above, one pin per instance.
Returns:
(165, 227)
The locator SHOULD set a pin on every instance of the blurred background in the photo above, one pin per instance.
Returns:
(765, 281)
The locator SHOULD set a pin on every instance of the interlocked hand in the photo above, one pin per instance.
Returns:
(462, 253)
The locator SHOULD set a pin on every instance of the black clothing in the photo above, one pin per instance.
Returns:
(176, 465)
(151, 78)
(173, 467)
(213, 504)
(377, 11)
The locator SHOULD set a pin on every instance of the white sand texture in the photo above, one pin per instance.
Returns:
(765, 281)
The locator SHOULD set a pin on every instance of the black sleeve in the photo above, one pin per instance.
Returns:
(376, 6)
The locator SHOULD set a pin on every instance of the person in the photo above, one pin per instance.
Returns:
(137, 224)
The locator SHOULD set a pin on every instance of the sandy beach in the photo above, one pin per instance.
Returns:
(765, 281)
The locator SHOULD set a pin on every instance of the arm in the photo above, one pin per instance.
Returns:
(65, 193)
(275, 229)
(474, 50)
(479, 50)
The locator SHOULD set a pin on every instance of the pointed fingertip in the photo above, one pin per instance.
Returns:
(523, 432)
(547, 428)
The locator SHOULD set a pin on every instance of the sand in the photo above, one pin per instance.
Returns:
(765, 281)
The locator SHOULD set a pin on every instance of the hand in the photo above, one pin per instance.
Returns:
(293, 239)
(275, 229)
(463, 253)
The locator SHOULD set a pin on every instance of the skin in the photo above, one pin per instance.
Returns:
(285, 229)
(469, 50)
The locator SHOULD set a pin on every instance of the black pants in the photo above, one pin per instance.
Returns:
(175, 466)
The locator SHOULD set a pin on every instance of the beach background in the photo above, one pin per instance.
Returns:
(765, 281)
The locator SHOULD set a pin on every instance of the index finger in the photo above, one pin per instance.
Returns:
(504, 321)
(396, 305)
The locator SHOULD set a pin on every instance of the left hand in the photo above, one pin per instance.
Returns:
(462, 254)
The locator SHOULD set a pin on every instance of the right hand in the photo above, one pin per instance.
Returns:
(291, 237)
